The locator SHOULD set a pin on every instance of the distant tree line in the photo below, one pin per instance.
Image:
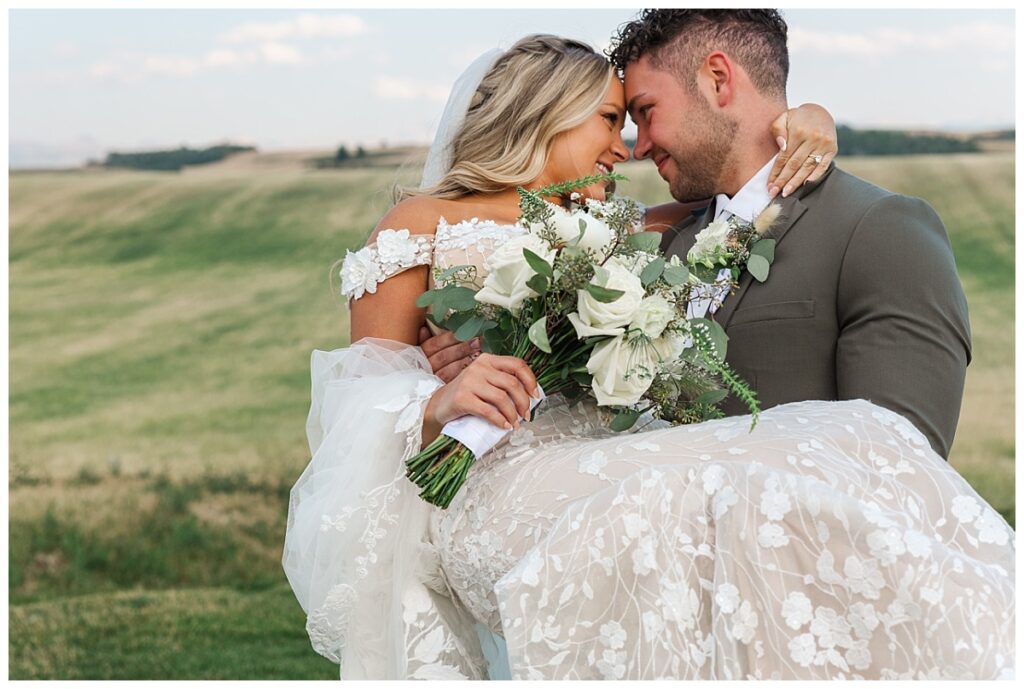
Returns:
(343, 158)
(868, 142)
(172, 159)
(875, 142)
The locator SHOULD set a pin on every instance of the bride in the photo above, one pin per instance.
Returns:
(829, 542)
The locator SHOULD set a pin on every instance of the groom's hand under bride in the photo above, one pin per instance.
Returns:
(447, 355)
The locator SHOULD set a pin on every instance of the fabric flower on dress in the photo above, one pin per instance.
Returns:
(360, 273)
(966, 508)
(991, 529)
(592, 463)
(802, 649)
(612, 634)
(394, 248)
(863, 577)
(886, 546)
(744, 623)
(774, 504)
(728, 598)
(772, 536)
(797, 610)
(863, 619)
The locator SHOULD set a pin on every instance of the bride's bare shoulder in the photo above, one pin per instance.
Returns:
(418, 214)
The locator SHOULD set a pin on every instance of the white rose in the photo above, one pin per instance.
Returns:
(596, 235)
(670, 346)
(622, 371)
(507, 272)
(653, 314)
(599, 318)
(708, 239)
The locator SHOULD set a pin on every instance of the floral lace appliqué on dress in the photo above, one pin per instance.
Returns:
(830, 542)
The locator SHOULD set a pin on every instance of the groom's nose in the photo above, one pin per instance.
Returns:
(642, 147)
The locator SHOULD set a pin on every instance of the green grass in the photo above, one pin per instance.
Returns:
(213, 633)
(160, 332)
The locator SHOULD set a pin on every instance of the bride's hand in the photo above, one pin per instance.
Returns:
(802, 132)
(495, 388)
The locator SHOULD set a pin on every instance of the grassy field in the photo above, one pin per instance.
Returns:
(160, 331)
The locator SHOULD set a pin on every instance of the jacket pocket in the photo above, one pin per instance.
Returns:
(773, 312)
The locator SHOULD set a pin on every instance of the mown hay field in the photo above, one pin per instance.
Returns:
(160, 332)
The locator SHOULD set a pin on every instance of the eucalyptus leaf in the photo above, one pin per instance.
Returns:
(459, 298)
(470, 329)
(539, 284)
(712, 397)
(652, 271)
(583, 378)
(704, 273)
(457, 319)
(603, 294)
(493, 341)
(758, 267)
(427, 298)
(624, 420)
(575, 241)
(645, 241)
(713, 333)
(538, 264)
(676, 275)
(764, 247)
(538, 334)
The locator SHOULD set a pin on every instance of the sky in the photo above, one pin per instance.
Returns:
(85, 82)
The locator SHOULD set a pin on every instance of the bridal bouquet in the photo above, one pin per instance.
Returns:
(594, 309)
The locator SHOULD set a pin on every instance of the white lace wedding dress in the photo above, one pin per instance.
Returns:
(829, 542)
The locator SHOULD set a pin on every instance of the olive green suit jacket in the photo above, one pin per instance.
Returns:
(863, 301)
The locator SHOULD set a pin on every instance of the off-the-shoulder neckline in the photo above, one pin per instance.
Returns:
(443, 222)
(476, 222)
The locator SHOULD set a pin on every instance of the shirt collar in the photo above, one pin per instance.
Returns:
(751, 199)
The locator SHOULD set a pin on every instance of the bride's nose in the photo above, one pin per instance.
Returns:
(619, 150)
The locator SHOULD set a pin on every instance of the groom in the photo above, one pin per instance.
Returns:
(863, 299)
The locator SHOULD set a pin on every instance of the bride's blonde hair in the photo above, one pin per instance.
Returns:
(542, 86)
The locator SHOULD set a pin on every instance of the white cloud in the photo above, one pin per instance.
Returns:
(65, 49)
(171, 65)
(105, 69)
(397, 88)
(222, 57)
(334, 53)
(304, 26)
(885, 41)
(280, 54)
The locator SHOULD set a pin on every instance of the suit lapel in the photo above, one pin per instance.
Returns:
(792, 209)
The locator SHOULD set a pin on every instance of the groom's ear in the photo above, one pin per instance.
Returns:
(718, 75)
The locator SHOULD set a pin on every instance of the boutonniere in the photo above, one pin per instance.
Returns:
(737, 245)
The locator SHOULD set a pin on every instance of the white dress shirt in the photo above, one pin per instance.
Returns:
(750, 200)
(747, 204)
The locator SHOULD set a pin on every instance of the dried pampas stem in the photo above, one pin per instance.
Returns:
(766, 219)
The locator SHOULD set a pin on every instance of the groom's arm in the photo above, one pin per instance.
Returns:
(904, 338)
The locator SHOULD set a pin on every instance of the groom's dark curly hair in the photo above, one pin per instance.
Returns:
(679, 40)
